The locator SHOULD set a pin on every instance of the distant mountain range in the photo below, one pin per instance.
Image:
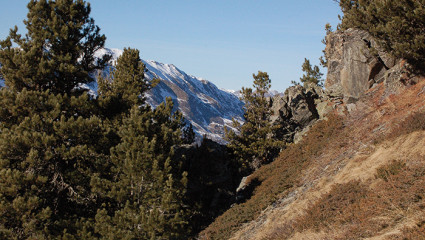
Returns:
(208, 108)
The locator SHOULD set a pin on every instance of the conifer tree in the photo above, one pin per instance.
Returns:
(148, 185)
(324, 59)
(397, 25)
(311, 74)
(48, 153)
(254, 144)
(125, 86)
(52, 142)
(76, 167)
(188, 134)
(57, 52)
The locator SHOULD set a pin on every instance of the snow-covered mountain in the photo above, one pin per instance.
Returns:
(208, 108)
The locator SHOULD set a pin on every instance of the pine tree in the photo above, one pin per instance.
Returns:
(397, 25)
(311, 74)
(125, 86)
(188, 134)
(324, 59)
(147, 187)
(52, 141)
(76, 167)
(254, 144)
(57, 53)
(48, 153)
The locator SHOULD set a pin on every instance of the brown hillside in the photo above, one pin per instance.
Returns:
(359, 175)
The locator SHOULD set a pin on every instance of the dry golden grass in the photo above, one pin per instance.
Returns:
(364, 212)
(276, 179)
(359, 177)
(346, 202)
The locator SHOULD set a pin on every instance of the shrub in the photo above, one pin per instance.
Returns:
(397, 25)
(277, 178)
(393, 168)
(361, 212)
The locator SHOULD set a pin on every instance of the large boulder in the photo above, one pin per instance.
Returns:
(297, 109)
(355, 63)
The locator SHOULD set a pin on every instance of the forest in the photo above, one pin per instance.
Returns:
(74, 166)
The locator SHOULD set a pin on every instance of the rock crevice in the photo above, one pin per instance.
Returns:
(356, 63)
(297, 109)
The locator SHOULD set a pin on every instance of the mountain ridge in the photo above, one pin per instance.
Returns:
(208, 108)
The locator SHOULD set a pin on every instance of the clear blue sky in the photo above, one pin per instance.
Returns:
(223, 41)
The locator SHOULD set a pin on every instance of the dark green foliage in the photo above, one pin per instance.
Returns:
(328, 28)
(397, 25)
(48, 154)
(66, 172)
(125, 86)
(323, 59)
(76, 167)
(148, 185)
(57, 52)
(254, 144)
(212, 179)
(52, 142)
(311, 74)
(188, 134)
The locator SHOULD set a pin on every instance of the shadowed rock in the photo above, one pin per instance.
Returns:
(297, 109)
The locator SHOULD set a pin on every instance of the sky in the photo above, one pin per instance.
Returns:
(222, 41)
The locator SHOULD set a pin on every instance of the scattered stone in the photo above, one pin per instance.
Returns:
(351, 107)
(242, 185)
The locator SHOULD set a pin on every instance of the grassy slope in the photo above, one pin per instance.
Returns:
(359, 176)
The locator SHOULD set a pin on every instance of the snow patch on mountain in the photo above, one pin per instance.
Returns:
(208, 108)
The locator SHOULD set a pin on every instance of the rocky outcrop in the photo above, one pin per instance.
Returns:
(356, 63)
(297, 109)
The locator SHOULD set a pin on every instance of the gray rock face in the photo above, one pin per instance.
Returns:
(297, 109)
(355, 63)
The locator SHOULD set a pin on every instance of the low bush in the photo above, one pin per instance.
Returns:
(277, 178)
(358, 211)
(393, 168)
(412, 123)
(341, 205)
(416, 232)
